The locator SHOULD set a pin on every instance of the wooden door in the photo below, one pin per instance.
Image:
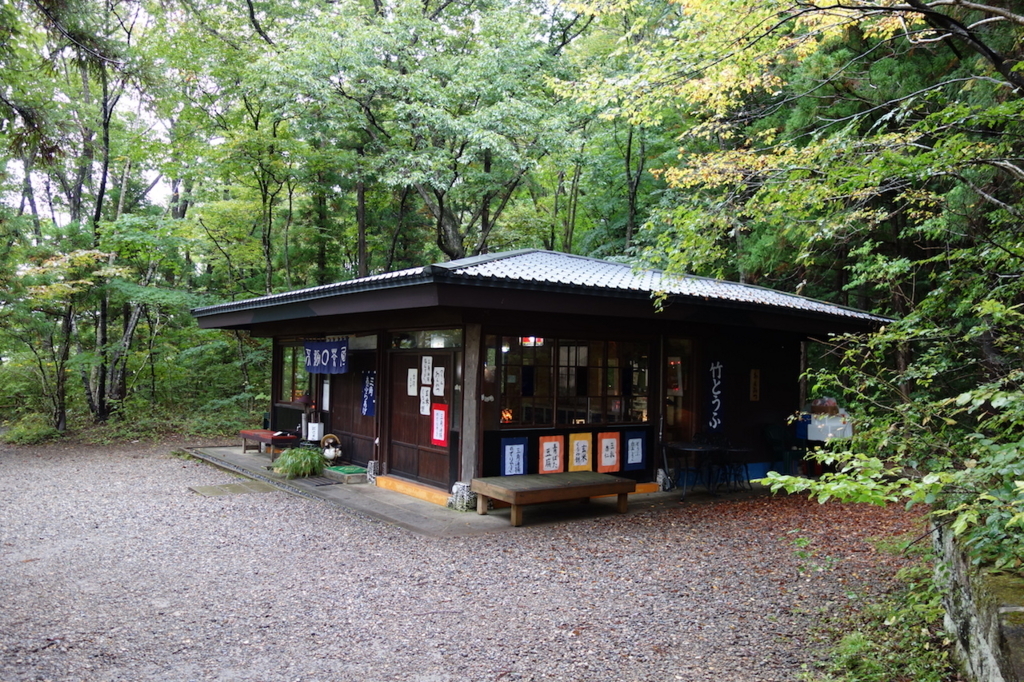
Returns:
(354, 423)
(412, 452)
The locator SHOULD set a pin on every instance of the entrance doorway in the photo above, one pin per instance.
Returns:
(420, 446)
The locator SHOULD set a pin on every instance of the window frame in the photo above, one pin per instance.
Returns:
(584, 377)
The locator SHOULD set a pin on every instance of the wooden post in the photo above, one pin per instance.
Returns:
(517, 515)
(470, 438)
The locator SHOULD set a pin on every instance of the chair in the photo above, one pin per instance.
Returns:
(690, 464)
(782, 447)
(728, 467)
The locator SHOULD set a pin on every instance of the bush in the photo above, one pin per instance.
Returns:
(297, 462)
(31, 430)
(897, 639)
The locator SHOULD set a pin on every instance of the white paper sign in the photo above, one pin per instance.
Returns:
(440, 429)
(427, 369)
(425, 401)
(608, 452)
(634, 451)
(515, 459)
(552, 457)
(412, 382)
(581, 453)
(439, 381)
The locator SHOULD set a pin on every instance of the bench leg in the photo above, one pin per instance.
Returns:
(481, 504)
(517, 515)
(623, 502)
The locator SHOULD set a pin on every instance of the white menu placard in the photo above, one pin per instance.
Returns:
(439, 381)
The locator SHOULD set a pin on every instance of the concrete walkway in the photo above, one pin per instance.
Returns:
(426, 518)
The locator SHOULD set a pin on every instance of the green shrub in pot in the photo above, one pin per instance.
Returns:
(298, 462)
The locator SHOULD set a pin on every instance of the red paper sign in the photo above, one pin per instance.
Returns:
(439, 425)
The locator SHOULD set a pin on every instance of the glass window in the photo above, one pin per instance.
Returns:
(427, 338)
(679, 396)
(564, 382)
(526, 398)
(294, 379)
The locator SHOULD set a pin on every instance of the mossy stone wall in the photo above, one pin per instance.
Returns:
(985, 614)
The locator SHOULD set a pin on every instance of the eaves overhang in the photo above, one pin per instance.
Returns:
(480, 280)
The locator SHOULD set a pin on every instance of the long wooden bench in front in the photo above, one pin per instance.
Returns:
(540, 488)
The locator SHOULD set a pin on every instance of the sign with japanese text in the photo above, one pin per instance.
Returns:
(439, 425)
(608, 452)
(439, 380)
(579, 452)
(715, 390)
(551, 449)
(513, 456)
(425, 401)
(368, 406)
(636, 450)
(326, 357)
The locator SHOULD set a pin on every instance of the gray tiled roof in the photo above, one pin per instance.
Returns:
(551, 270)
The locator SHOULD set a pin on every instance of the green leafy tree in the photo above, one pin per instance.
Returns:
(867, 153)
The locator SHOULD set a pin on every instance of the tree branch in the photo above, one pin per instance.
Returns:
(256, 24)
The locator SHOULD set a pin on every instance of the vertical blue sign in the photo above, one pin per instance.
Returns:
(715, 390)
(369, 403)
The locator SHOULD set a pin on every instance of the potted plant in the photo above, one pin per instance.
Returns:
(299, 462)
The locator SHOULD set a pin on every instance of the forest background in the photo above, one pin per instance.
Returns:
(157, 155)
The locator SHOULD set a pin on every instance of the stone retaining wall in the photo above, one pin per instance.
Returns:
(984, 613)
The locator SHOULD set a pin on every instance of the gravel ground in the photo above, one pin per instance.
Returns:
(111, 569)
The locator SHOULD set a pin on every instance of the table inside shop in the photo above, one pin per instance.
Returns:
(692, 457)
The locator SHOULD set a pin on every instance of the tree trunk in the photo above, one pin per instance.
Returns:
(320, 206)
(449, 237)
(634, 174)
(572, 203)
(28, 195)
(362, 258)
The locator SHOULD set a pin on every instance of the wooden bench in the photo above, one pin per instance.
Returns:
(539, 488)
(267, 437)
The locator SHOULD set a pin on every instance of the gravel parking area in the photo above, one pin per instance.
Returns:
(112, 569)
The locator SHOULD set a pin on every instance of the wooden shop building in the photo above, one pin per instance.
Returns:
(520, 362)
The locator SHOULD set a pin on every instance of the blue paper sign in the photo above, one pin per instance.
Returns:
(634, 447)
(327, 357)
(368, 408)
(513, 456)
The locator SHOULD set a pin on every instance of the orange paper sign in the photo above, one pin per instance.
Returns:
(607, 452)
(551, 454)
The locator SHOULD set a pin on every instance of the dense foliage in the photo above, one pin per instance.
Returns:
(156, 156)
(873, 149)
